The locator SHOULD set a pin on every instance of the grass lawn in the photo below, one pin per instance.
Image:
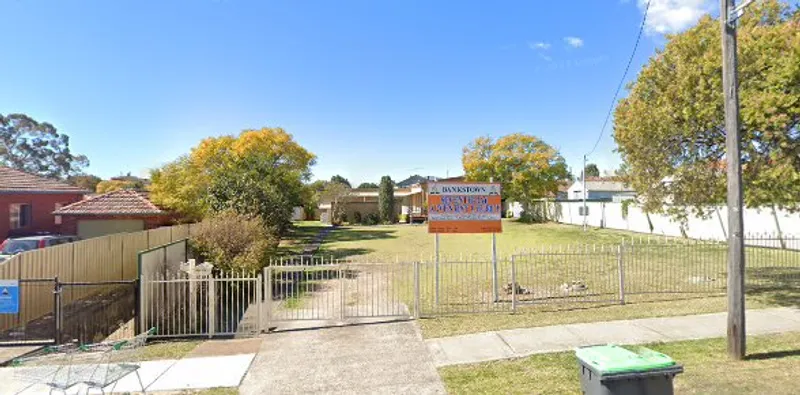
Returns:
(697, 271)
(771, 368)
(302, 233)
(167, 350)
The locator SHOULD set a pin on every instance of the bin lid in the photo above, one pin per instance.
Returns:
(611, 359)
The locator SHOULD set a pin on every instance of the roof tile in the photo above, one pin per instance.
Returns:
(121, 202)
(12, 180)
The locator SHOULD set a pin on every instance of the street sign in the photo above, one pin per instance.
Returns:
(458, 207)
(9, 296)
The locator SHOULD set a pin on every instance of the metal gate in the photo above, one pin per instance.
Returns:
(312, 291)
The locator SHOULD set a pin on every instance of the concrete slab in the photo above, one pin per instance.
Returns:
(771, 321)
(479, 347)
(361, 359)
(541, 340)
(701, 326)
(208, 372)
(617, 332)
(8, 353)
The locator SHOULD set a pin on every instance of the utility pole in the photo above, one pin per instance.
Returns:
(736, 321)
(583, 191)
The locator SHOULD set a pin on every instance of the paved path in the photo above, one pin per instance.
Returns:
(389, 358)
(162, 375)
(515, 343)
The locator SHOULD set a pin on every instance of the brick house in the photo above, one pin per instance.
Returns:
(113, 212)
(27, 202)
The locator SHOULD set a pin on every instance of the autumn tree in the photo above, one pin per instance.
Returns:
(37, 148)
(527, 167)
(107, 186)
(592, 170)
(84, 181)
(259, 172)
(368, 185)
(341, 180)
(670, 130)
(386, 200)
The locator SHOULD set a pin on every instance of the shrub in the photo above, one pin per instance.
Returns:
(234, 241)
(357, 217)
(372, 219)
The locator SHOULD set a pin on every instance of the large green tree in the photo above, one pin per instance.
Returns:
(592, 170)
(37, 148)
(85, 181)
(386, 200)
(341, 180)
(368, 185)
(259, 172)
(527, 167)
(670, 130)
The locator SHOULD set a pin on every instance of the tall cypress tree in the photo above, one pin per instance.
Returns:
(386, 200)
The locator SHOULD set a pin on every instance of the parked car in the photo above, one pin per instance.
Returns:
(16, 245)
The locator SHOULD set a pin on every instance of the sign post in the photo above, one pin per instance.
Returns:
(459, 207)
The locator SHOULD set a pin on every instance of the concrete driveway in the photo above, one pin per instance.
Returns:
(387, 358)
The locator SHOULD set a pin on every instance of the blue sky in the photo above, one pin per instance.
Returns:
(371, 87)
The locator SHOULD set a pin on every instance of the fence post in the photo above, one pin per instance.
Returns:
(417, 312)
(57, 311)
(259, 301)
(192, 275)
(621, 269)
(513, 284)
(268, 295)
(343, 293)
(212, 306)
(137, 305)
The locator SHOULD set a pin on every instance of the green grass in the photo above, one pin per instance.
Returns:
(771, 368)
(212, 391)
(650, 270)
(302, 233)
(167, 350)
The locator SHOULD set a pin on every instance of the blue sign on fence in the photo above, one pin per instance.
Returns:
(9, 296)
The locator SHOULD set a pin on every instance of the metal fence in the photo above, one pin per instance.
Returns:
(302, 291)
(181, 305)
(96, 260)
(109, 306)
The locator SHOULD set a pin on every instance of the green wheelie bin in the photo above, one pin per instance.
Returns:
(613, 370)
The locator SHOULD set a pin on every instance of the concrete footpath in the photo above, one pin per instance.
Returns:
(515, 343)
(387, 358)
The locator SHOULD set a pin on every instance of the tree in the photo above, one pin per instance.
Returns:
(37, 148)
(369, 185)
(84, 181)
(107, 186)
(341, 180)
(670, 130)
(527, 167)
(259, 172)
(592, 170)
(386, 200)
(336, 193)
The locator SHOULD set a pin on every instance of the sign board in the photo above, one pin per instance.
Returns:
(9, 296)
(458, 207)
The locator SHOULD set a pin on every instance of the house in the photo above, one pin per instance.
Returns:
(27, 202)
(364, 201)
(602, 189)
(113, 212)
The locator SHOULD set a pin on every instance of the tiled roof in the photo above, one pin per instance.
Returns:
(12, 180)
(122, 202)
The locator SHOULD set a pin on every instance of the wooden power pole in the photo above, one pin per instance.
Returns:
(736, 321)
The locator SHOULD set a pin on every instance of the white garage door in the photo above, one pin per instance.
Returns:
(95, 228)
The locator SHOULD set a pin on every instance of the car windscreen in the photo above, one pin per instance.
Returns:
(16, 246)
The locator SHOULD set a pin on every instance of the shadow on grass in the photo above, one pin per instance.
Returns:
(772, 355)
(346, 233)
(776, 285)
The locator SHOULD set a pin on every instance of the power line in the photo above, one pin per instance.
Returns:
(622, 81)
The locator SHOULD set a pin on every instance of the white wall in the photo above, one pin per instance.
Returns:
(609, 215)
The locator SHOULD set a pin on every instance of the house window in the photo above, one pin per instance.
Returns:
(20, 215)
(58, 217)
